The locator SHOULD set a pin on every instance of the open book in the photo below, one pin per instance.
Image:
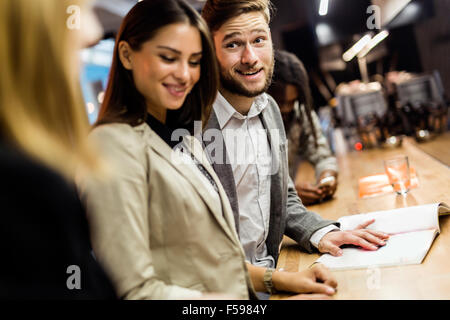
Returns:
(412, 231)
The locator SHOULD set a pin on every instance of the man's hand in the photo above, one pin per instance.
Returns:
(309, 193)
(361, 237)
(317, 279)
(329, 189)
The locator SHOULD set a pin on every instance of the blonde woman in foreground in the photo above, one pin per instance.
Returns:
(44, 240)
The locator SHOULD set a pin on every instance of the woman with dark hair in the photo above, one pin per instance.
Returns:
(290, 88)
(162, 225)
(123, 101)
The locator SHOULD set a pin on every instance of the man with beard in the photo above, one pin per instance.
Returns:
(252, 164)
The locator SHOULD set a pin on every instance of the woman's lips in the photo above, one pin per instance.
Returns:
(176, 90)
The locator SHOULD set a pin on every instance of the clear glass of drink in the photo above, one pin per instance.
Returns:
(397, 170)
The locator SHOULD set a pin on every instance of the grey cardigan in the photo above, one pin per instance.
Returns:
(287, 213)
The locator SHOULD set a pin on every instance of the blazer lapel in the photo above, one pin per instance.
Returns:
(274, 136)
(221, 163)
(186, 170)
(275, 182)
(225, 215)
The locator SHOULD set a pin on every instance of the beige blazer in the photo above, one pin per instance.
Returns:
(157, 227)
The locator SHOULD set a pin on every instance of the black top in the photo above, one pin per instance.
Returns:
(165, 133)
(43, 231)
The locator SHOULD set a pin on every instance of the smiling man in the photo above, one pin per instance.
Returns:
(264, 200)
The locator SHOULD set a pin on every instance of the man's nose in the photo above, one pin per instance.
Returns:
(249, 56)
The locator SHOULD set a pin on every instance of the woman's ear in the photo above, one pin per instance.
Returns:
(125, 55)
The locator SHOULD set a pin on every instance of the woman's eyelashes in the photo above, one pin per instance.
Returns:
(168, 59)
(195, 62)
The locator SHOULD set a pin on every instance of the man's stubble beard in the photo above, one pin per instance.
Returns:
(233, 86)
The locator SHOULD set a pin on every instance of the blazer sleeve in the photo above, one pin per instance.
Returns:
(300, 222)
(320, 156)
(117, 209)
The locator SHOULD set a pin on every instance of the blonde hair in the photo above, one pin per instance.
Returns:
(41, 106)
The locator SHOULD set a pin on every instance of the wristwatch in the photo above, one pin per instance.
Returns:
(268, 280)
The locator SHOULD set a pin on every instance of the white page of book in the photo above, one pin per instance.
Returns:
(400, 249)
(397, 220)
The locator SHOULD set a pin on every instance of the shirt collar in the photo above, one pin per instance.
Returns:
(225, 111)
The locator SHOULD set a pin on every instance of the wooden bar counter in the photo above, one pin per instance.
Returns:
(439, 148)
(429, 280)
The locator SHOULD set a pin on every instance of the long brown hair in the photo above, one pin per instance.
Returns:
(290, 70)
(123, 103)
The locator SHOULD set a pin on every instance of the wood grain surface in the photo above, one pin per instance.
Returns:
(431, 279)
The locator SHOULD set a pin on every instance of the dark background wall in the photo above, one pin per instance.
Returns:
(433, 39)
(418, 43)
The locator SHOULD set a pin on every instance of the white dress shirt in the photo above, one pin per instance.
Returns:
(249, 154)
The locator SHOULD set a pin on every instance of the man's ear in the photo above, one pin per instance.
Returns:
(125, 55)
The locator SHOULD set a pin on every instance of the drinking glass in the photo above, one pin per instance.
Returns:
(397, 170)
